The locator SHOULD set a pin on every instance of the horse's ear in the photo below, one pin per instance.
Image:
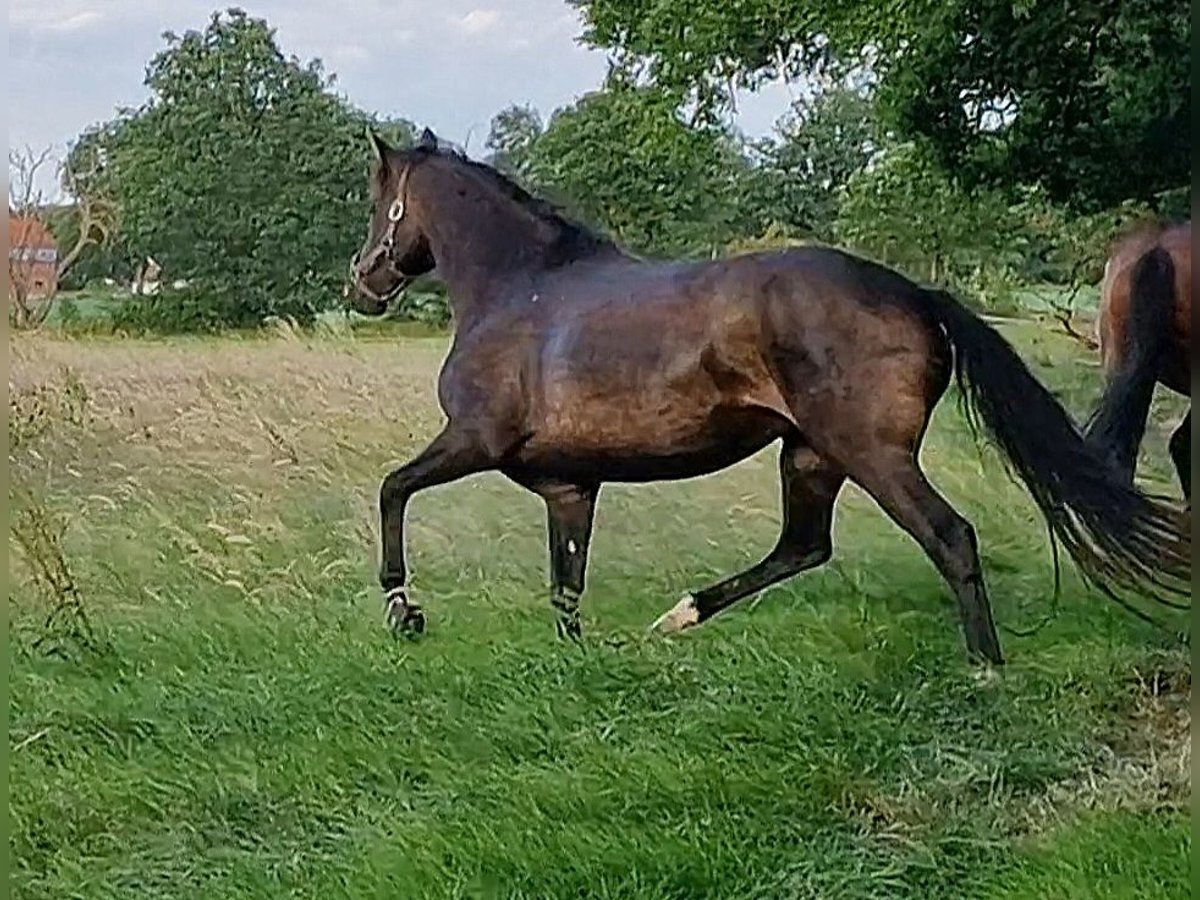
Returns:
(428, 140)
(380, 146)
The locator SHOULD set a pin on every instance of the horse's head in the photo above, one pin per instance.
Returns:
(396, 249)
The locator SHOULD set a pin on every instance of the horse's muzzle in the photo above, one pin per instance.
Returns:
(364, 298)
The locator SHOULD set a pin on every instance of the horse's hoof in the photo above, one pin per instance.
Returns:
(413, 622)
(568, 630)
(683, 614)
(402, 617)
(986, 675)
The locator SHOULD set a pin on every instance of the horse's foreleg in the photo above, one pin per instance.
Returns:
(810, 485)
(452, 455)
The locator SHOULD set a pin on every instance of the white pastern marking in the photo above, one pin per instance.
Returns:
(683, 614)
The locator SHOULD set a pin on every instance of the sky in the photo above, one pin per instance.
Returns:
(449, 65)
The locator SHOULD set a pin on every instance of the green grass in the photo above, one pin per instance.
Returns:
(248, 729)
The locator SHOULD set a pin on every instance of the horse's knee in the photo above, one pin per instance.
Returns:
(956, 533)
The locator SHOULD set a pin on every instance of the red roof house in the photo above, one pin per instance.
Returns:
(32, 256)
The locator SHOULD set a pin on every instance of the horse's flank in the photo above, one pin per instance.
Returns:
(1116, 298)
(1145, 331)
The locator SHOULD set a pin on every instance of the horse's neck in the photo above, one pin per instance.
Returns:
(483, 255)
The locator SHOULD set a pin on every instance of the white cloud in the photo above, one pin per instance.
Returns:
(478, 21)
(53, 15)
(77, 22)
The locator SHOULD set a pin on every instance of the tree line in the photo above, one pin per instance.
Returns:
(981, 145)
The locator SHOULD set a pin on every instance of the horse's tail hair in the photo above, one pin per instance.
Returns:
(1117, 426)
(1119, 537)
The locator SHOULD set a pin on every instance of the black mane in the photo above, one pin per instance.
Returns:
(574, 240)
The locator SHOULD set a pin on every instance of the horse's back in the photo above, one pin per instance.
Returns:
(658, 363)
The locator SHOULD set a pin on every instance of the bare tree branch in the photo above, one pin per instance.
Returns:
(25, 207)
(1063, 311)
(25, 201)
(96, 212)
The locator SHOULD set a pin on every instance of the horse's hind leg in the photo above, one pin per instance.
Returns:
(1181, 453)
(810, 486)
(894, 479)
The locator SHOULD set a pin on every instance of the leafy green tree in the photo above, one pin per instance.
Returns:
(514, 131)
(1088, 100)
(622, 157)
(1064, 248)
(803, 170)
(243, 174)
(907, 212)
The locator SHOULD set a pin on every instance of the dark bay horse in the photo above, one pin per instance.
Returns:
(574, 364)
(1145, 331)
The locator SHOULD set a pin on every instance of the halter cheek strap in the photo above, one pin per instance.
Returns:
(396, 210)
(395, 214)
(386, 243)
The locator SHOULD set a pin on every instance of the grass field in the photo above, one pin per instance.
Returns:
(244, 726)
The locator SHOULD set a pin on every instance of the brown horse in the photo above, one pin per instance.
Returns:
(574, 363)
(1145, 330)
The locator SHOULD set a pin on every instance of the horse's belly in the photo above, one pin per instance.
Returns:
(633, 448)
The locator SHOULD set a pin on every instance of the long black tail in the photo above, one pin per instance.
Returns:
(1119, 537)
(1117, 426)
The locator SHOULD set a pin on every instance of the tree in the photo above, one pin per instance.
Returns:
(514, 130)
(624, 159)
(243, 174)
(703, 51)
(91, 217)
(907, 212)
(804, 168)
(1090, 101)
